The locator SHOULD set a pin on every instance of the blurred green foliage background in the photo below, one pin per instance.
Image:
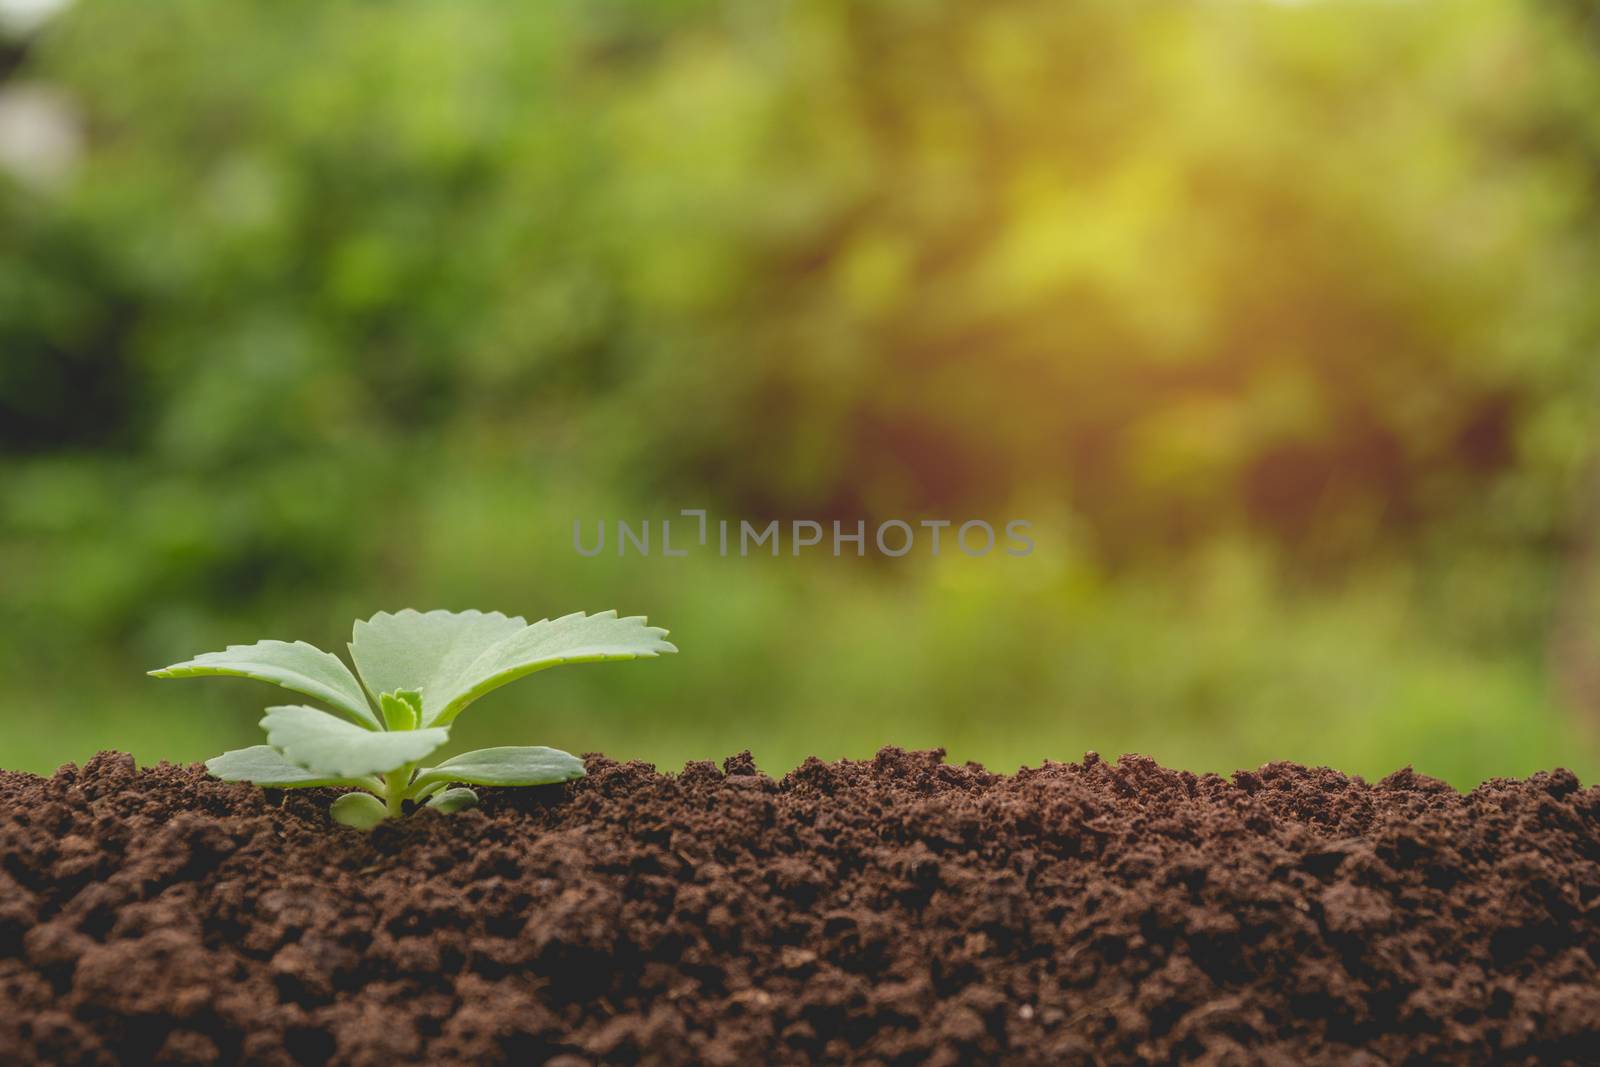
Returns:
(1276, 319)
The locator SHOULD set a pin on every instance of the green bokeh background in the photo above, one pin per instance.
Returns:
(1277, 320)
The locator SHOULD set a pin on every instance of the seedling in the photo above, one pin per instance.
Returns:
(417, 672)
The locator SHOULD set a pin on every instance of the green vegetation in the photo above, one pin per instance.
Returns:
(417, 673)
(1275, 319)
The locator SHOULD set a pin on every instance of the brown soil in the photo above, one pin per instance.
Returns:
(896, 911)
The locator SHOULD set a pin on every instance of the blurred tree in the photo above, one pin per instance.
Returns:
(1197, 269)
(1314, 274)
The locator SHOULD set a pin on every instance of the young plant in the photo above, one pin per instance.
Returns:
(417, 672)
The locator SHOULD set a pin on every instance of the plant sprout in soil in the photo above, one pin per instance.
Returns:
(417, 671)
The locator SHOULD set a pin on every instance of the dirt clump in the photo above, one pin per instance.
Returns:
(894, 911)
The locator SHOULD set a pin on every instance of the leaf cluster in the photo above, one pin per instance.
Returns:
(414, 673)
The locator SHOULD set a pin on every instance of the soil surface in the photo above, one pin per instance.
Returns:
(896, 911)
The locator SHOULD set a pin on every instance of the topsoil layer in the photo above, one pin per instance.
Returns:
(896, 911)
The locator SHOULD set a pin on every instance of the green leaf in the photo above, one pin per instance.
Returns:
(362, 811)
(409, 650)
(266, 766)
(298, 666)
(319, 742)
(419, 795)
(402, 710)
(455, 658)
(575, 638)
(453, 800)
(510, 765)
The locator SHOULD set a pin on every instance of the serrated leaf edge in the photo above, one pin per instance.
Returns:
(488, 685)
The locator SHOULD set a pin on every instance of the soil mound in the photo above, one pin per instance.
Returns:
(894, 911)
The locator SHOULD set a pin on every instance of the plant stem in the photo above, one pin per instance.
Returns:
(395, 784)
